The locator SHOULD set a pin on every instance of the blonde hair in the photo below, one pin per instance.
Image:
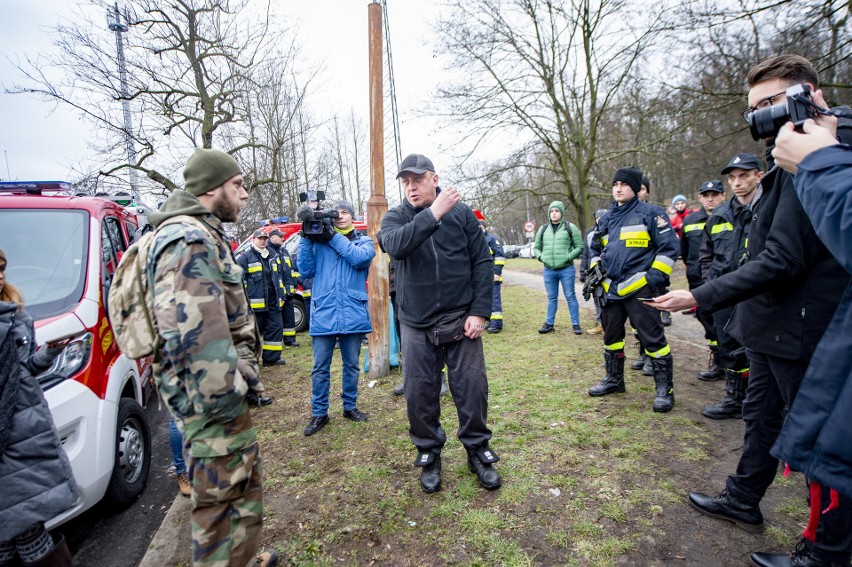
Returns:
(10, 293)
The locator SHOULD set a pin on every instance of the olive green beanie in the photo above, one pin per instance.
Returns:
(208, 169)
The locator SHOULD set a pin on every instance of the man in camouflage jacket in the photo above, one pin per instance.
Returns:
(208, 360)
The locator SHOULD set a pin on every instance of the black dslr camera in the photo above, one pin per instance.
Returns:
(314, 220)
(798, 107)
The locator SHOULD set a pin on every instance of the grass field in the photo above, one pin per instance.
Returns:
(586, 481)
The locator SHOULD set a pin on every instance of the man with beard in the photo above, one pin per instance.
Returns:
(207, 362)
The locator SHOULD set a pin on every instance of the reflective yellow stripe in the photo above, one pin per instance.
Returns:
(606, 283)
(594, 262)
(296, 274)
(272, 346)
(497, 315)
(255, 267)
(633, 283)
(743, 371)
(693, 227)
(604, 240)
(615, 346)
(660, 353)
(289, 332)
(499, 279)
(499, 261)
(664, 264)
(721, 227)
(256, 303)
(746, 242)
(306, 293)
(713, 343)
(274, 267)
(634, 234)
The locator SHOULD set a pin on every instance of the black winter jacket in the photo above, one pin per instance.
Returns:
(440, 267)
(35, 474)
(789, 287)
(690, 245)
(725, 237)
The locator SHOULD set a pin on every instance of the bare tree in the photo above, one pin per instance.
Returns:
(547, 71)
(188, 65)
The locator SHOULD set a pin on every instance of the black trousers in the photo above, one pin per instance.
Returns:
(271, 327)
(772, 388)
(468, 383)
(731, 353)
(288, 315)
(645, 319)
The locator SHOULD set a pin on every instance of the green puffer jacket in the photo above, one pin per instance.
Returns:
(557, 249)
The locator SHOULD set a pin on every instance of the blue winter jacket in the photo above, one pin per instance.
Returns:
(339, 294)
(637, 247)
(817, 433)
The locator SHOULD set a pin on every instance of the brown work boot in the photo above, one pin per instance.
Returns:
(596, 330)
(183, 484)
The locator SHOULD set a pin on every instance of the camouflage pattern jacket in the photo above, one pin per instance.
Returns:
(208, 361)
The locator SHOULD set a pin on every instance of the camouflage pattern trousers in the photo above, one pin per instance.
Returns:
(227, 507)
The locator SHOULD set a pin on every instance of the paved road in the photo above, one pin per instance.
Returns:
(100, 537)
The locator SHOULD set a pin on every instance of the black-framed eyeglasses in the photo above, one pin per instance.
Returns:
(763, 103)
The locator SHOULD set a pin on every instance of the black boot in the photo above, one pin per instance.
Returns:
(665, 318)
(726, 507)
(399, 390)
(613, 382)
(648, 367)
(59, 557)
(799, 557)
(714, 371)
(731, 406)
(639, 362)
(664, 382)
(430, 476)
(480, 463)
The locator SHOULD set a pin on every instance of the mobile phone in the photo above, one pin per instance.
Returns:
(645, 299)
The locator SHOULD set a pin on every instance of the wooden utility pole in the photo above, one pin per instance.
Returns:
(377, 204)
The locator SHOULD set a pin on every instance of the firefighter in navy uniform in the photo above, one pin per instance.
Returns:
(495, 325)
(725, 241)
(262, 268)
(711, 194)
(637, 257)
(289, 277)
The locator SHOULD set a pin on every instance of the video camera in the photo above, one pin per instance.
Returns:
(798, 107)
(314, 219)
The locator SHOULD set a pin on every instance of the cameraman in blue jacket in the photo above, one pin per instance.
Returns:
(338, 260)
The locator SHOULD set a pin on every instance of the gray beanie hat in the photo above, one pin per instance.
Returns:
(342, 205)
(208, 169)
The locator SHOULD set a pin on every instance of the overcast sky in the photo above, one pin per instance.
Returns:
(40, 141)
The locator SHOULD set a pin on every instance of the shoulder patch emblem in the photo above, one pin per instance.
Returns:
(661, 221)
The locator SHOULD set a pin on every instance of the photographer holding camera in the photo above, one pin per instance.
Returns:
(338, 259)
(786, 290)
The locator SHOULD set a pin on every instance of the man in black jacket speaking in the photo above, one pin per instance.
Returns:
(443, 280)
(786, 292)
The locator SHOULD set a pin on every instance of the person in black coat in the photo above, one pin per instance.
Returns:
(37, 480)
(787, 291)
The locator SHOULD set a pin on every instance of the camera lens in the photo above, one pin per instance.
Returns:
(766, 122)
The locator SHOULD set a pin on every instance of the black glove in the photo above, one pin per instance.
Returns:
(583, 278)
(327, 232)
(43, 357)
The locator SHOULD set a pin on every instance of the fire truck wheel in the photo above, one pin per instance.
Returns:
(132, 455)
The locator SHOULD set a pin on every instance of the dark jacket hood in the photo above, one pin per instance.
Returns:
(179, 202)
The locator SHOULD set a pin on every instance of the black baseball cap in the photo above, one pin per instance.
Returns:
(259, 234)
(714, 186)
(415, 163)
(276, 232)
(742, 161)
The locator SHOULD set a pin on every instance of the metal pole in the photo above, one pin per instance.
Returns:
(377, 204)
(115, 25)
(527, 195)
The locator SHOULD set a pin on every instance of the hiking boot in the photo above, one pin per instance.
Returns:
(493, 329)
(279, 362)
(725, 507)
(664, 384)
(355, 415)
(546, 328)
(59, 556)
(316, 423)
(577, 329)
(293, 343)
(714, 370)
(596, 330)
(400, 389)
(801, 556)
(183, 484)
(639, 363)
(731, 406)
(430, 476)
(484, 471)
(266, 559)
(613, 382)
(647, 367)
(665, 318)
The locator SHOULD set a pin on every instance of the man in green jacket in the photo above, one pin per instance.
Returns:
(557, 245)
